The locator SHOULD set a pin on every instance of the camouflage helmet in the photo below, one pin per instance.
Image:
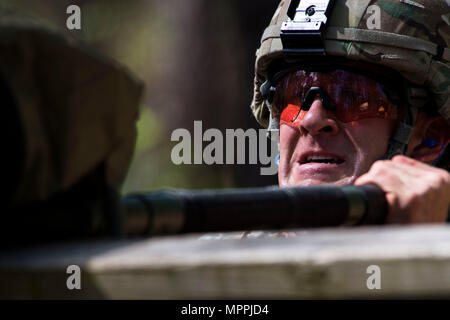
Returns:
(409, 37)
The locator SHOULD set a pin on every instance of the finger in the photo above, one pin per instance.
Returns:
(400, 172)
(390, 186)
(413, 162)
(425, 172)
(387, 171)
(411, 167)
(387, 183)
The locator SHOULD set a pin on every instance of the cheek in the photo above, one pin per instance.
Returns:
(288, 141)
(370, 137)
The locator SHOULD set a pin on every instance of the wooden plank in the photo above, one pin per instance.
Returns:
(329, 263)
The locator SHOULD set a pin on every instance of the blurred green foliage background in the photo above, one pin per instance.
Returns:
(196, 59)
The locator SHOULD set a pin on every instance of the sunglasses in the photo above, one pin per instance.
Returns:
(350, 96)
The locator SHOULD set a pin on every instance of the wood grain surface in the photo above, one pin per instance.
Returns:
(321, 264)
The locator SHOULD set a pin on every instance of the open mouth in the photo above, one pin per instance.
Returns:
(322, 159)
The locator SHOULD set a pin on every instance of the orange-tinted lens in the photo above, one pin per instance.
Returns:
(354, 96)
(290, 113)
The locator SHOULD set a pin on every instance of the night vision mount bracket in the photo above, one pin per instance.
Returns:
(302, 32)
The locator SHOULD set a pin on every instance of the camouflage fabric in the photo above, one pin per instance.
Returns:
(77, 109)
(413, 39)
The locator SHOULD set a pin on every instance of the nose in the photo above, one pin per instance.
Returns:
(318, 120)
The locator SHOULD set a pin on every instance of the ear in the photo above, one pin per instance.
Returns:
(429, 127)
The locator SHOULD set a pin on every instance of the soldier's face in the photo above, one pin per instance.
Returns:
(319, 149)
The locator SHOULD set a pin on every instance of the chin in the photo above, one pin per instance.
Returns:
(314, 181)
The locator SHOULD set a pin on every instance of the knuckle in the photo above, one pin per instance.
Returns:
(379, 167)
(441, 179)
(446, 177)
(400, 157)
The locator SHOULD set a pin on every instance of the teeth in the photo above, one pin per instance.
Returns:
(318, 158)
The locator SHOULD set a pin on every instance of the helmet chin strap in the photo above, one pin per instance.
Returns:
(416, 98)
(398, 144)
